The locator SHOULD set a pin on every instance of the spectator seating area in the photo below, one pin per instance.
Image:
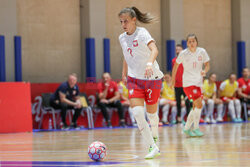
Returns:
(45, 117)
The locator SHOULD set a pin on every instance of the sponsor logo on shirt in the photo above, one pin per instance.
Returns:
(195, 91)
(111, 90)
(135, 43)
(131, 91)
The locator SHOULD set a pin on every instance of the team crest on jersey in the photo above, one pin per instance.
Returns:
(131, 91)
(135, 43)
(199, 58)
(111, 90)
(195, 91)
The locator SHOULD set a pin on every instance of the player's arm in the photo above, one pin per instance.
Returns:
(241, 94)
(154, 52)
(176, 65)
(63, 99)
(116, 97)
(206, 68)
(152, 58)
(103, 94)
(124, 71)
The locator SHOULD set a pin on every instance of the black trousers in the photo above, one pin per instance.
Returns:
(178, 93)
(64, 107)
(116, 104)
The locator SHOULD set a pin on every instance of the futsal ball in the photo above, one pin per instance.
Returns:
(97, 151)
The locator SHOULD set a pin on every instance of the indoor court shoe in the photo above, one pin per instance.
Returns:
(189, 133)
(239, 120)
(198, 133)
(207, 120)
(235, 120)
(65, 127)
(154, 153)
(219, 119)
(213, 121)
(173, 122)
(155, 140)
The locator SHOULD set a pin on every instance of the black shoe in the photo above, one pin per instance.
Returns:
(122, 124)
(74, 126)
(65, 127)
(109, 125)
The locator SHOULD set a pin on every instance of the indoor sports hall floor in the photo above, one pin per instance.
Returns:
(225, 144)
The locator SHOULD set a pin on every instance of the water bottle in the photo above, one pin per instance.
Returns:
(50, 124)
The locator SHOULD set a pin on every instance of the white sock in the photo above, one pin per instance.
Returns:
(142, 124)
(197, 116)
(210, 108)
(183, 113)
(154, 122)
(190, 120)
(165, 111)
(219, 110)
(238, 108)
(174, 113)
(131, 115)
(231, 109)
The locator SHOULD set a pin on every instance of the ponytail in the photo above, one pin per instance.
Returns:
(134, 12)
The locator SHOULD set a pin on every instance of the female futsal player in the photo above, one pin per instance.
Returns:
(193, 59)
(142, 73)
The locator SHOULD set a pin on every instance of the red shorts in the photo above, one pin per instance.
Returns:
(149, 90)
(193, 92)
(224, 99)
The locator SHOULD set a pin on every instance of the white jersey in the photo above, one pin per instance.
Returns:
(192, 64)
(137, 53)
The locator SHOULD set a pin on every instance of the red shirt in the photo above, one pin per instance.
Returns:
(245, 85)
(111, 89)
(179, 73)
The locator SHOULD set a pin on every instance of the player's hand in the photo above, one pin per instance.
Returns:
(172, 84)
(78, 104)
(106, 84)
(148, 71)
(203, 73)
(104, 101)
(124, 80)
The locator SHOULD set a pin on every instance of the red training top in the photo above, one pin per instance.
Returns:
(111, 89)
(179, 73)
(245, 85)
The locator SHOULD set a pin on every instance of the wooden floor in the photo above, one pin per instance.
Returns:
(223, 145)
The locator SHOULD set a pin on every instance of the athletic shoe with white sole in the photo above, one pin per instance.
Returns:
(153, 153)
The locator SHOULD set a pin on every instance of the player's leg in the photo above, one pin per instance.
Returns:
(197, 115)
(117, 104)
(232, 110)
(238, 109)
(154, 122)
(174, 113)
(165, 111)
(210, 109)
(137, 105)
(105, 114)
(178, 93)
(190, 119)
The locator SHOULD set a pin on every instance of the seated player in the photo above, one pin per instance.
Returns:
(210, 99)
(227, 92)
(244, 88)
(168, 100)
(110, 97)
(125, 101)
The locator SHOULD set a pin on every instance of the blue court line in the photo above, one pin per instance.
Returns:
(100, 128)
(59, 163)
